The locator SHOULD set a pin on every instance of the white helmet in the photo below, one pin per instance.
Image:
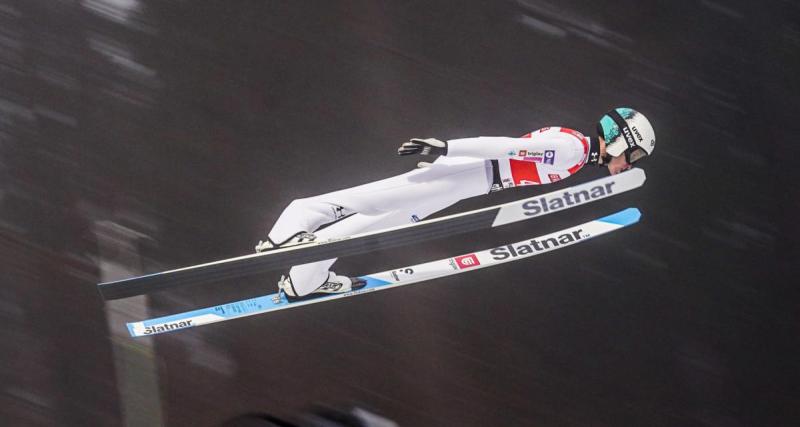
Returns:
(627, 131)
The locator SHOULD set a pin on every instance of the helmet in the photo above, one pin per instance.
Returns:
(627, 131)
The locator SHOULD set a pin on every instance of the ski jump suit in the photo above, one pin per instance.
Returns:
(472, 167)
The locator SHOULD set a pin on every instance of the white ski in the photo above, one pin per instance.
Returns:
(446, 226)
(394, 278)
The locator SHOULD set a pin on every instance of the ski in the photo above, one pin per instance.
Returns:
(446, 226)
(397, 277)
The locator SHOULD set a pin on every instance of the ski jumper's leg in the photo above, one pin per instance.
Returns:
(387, 195)
(386, 203)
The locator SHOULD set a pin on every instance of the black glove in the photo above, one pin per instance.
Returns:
(425, 147)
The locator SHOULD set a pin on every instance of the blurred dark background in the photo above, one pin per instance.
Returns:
(138, 135)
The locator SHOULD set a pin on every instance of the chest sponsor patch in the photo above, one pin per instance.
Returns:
(528, 153)
(549, 157)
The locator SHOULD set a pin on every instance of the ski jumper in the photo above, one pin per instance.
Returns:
(472, 167)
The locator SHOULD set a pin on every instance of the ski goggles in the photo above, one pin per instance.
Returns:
(635, 154)
(631, 150)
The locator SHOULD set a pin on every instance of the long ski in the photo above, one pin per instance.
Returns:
(446, 226)
(397, 277)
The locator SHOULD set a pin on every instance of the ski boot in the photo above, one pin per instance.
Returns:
(300, 238)
(334, 285)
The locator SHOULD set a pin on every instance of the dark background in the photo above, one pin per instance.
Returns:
(192, 124)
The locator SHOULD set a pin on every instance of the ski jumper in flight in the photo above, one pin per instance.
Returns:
(464, 168)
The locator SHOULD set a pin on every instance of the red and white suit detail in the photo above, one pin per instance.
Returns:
(541, 157)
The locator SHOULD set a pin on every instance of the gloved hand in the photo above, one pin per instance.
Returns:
(425, 147)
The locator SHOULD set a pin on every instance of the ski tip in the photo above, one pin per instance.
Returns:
(641, 172)
(131, 329)
(624, 217)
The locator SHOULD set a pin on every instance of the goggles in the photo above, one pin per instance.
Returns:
(632, 152)
(635, 154)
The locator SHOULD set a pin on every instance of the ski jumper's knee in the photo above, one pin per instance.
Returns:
(303, 215)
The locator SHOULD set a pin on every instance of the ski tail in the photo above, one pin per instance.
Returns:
(397, 277)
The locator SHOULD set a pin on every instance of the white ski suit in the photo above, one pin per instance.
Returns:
(472, 167)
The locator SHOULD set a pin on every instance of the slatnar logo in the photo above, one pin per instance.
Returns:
(171, 326)
(546, 204)
(513, 251)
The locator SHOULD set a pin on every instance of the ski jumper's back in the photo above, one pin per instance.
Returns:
(541, 157)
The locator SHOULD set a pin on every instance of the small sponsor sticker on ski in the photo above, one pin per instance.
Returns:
(467, 261)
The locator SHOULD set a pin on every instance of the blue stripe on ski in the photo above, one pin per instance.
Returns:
(239, 308)
(373, 282)
(625, 217)
(234, 309)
